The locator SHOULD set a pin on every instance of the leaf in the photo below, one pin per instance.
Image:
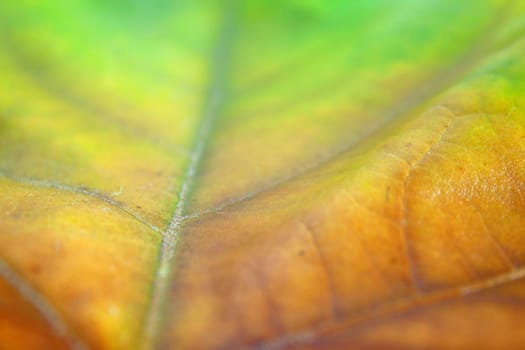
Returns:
(293, 174)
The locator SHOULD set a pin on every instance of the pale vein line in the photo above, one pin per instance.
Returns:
(464, 261)
(502, 252)
(407, 248)
(30, 294)
(334, 308)
(371, 257)
(273, 314)
(79, 190)
(308, 335)
(211, 110)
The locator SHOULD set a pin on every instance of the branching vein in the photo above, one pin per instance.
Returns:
(390, 309)
(429, 89)
(210, 113)
(38, 183)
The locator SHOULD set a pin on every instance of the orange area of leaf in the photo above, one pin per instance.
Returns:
(22, 326)
(427, 216)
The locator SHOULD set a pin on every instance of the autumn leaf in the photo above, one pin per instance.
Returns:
(262, 174)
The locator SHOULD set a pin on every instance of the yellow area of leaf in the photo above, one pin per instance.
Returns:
(251, 175)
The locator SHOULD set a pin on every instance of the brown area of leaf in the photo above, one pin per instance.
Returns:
(391, 246)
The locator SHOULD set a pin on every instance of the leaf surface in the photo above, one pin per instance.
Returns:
(259, 174)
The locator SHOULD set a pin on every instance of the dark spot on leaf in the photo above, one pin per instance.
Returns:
(36, 269)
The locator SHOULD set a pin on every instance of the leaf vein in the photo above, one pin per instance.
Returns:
(48, 312)
(39, 183)
(211, 110)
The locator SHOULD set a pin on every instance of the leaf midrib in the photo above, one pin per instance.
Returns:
(210, 112)
(219, 71)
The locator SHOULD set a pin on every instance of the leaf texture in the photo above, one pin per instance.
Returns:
(267, 175)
